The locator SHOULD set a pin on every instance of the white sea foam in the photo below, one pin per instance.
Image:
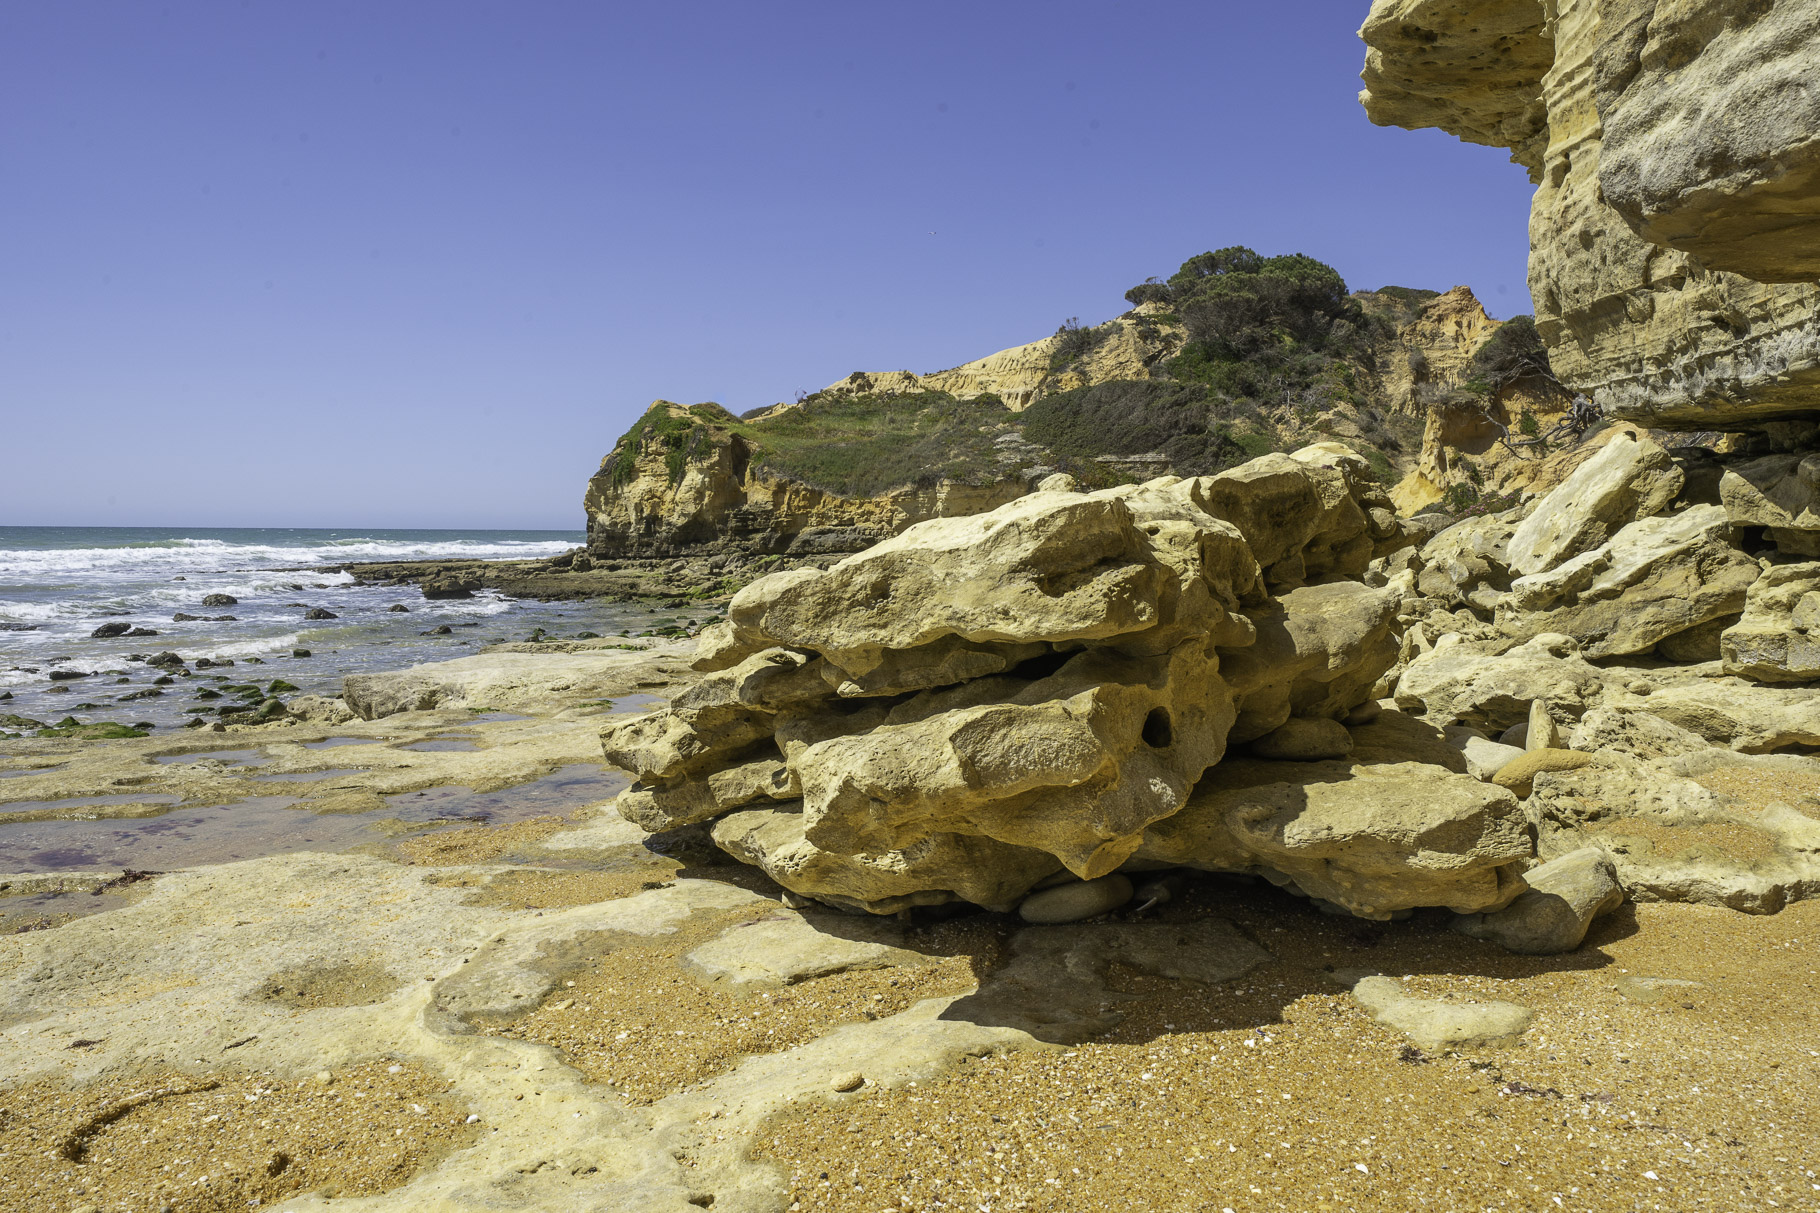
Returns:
(177, 556)
(261, 647)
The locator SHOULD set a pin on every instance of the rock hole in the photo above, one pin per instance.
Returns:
(1159, 732)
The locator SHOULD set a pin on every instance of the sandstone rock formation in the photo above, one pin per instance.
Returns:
(1673, 234)
(1201, 674)
(979, 704)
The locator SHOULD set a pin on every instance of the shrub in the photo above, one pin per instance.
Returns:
(1514, 352)
(1073, 343)
(1134, 416)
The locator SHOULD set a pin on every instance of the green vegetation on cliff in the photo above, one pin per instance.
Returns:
(1137, 416)
(860, 445)
(850, 444)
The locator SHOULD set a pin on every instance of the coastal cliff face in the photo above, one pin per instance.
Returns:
(1674, 148)
(877, 452)
(683, 481)
(1127, 347)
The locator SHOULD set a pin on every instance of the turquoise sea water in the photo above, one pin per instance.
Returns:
(58, 584)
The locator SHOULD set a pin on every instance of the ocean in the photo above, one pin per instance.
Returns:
(58, 584)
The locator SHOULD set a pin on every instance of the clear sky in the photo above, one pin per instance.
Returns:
(420, 262)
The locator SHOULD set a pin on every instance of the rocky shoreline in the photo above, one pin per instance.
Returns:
(675, 582)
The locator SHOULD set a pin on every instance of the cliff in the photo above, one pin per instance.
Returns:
(1184, 383)
(1675, 151)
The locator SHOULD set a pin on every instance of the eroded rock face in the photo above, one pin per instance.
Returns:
(1673, 148)
(1712, 130)
(980, 703)
(1776, 640)
(1656, 578)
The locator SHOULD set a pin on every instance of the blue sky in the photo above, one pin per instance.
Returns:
(398, 263)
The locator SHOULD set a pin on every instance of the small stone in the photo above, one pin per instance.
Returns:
(219, 600)
(853, 1080)
(324, 1078)
(1541, 733)
(320, 613)
(1077, 900)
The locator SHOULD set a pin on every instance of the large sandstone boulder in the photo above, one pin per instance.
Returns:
(1467, 556)
(1371, 839)
(1319, 650)
(1654, 579)
(1735, 714)
(979, 703)
(1458, 685)
(1778, 637)
(1628, 479)
(1780, 493)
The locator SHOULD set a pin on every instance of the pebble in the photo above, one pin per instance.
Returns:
(853, 1080)
(1073, 902)
(324, 1077)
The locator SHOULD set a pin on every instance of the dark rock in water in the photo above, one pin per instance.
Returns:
(208, 663)
(109, 629)
(254, 660)
(320, 613)
(20, 722)
(147, 693)
(222, 618)
(163, 680)
(674, 604)
(444, 630)
(180, 617)
(587, 635)
(219, 600)
(57, 690)
(6, 694)
(180, 579)
(67, 675)
(18, 627)
(399, 608)
(143, 632)
(450, 587)
(292, 585)
(280, 687)
(167, 659)
(300, 652)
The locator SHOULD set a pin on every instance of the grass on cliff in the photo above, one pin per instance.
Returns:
(1200, 432)
(850, 444)
(865, 444)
